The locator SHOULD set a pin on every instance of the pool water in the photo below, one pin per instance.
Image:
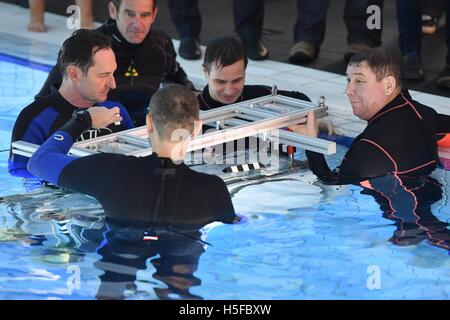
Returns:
(298, 239)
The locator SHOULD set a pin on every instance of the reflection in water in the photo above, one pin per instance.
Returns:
(65, 227)
(175, 257)
(407, 201)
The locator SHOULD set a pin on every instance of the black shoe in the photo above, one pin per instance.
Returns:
(443, 81)
(302, 52)
(412, 69)
(189, 49)
(256, 50)
(429, 24)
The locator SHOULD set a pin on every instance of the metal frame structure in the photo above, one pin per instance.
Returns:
(260, 117)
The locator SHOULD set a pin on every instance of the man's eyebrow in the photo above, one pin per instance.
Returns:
(356, 73)
(131, 11)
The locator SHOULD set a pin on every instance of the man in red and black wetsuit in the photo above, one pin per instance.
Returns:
(401, 133)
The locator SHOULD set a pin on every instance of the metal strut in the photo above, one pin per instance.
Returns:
(261, 117)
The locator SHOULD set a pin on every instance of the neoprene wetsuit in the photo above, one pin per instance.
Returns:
(400, 139)
(250, 92)
(148, 189)
(45, 115)
(141, 69)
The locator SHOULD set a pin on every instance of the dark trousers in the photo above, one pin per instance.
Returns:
(410, 28)
(186, 17)
(311, 22)
(248, 18)
(434, 8)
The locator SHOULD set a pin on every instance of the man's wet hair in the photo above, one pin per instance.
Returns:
(173, 107)
(117, 3)
(79, 49)
(222, 52)
(383, 63)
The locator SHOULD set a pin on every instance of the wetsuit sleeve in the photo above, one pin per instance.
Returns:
(51, 158)
(52, 83)
(362, 162)
(33, 128)
(223, 206)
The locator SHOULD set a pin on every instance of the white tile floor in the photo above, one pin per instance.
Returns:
(16, 40)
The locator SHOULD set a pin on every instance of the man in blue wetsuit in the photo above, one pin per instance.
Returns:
(146, 58)
(401, 133)
(157, 189)
(88, 64)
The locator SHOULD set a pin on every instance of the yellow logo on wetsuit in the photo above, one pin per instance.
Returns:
(131, 72)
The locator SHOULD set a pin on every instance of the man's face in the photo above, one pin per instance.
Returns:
(226, 84)
(95, 85)
(367, 95)
(134, 18)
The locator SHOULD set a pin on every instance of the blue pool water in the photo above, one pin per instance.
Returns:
(299, 239)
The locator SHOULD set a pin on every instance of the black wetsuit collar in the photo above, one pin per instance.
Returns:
(209, 101)
(401, 99)
(167, 162)
(57, 101)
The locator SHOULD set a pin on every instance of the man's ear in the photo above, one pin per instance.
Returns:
(198, 124)
(74, 73)
(112, 10)
(389, 85)
(205, 73)
(149, 123)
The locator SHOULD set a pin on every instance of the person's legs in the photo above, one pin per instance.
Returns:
(356, 18)
(410, 32)
(447, 29)
(186, 16)
(248, 21)
(36, 23)
(311, 21)
(87, 17)
(309, 30)
(443, 80)
(432, 11)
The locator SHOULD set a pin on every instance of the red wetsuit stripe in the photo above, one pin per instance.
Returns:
(385, 152)
(424, 165)
(412, 106)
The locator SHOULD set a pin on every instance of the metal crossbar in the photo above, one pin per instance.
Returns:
(261, 117)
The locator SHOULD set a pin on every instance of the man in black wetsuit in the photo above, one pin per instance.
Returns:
(88, 64)
(145, 58)
(157, 189)
(224, 67)
(401, 134)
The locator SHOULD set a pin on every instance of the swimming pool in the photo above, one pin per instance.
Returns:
(299, 239)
